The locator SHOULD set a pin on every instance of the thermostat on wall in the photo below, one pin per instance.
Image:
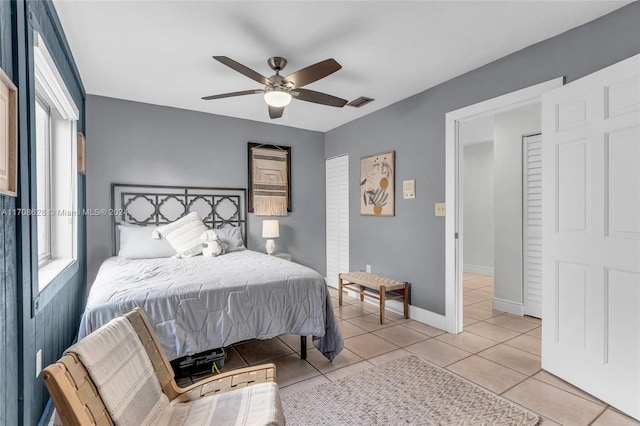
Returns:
(409, 188)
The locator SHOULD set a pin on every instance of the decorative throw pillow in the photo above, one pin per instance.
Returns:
(184, 234)
(136, 243)
(232, 237)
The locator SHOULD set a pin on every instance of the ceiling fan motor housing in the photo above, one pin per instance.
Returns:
(277, 63)
(279, 84)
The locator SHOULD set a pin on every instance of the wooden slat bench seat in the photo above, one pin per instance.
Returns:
(379, 283)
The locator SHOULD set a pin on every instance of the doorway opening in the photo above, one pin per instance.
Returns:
(502, 106)
(500, 213)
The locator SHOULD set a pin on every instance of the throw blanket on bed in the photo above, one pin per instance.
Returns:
(202, 303)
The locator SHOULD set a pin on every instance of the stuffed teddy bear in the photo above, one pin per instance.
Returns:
(211, 245)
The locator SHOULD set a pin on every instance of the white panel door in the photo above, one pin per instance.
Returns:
(591, 234)
(337, 217)
(532, 224)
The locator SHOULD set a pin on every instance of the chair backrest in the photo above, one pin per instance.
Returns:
(76, 396)
(161, 364)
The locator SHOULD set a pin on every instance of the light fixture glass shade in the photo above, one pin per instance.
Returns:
(270, 229)
(277, 97)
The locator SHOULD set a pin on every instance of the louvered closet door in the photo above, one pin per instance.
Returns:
(337, 216)
(532, 149)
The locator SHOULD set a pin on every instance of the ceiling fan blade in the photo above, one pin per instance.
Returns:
(229, 95)
(312, 73)
(275, 112)
(318, 98)
(253, 75)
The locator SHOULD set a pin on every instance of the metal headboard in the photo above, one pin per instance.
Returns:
(155, 205)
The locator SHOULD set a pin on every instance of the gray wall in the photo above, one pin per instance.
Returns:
(478, 205)
(411, 244)
(509, 127)
(130, 142)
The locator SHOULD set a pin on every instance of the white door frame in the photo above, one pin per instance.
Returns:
(453, 222)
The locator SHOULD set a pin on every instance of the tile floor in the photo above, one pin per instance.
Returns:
(498, 351)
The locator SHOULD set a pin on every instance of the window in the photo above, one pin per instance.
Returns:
(43, 164)
(56, 118)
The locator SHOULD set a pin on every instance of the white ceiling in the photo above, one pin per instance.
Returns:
(159, 52)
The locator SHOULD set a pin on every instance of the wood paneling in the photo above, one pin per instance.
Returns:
(55, 323)
(11, 313)
(7, 37)
(8, 276)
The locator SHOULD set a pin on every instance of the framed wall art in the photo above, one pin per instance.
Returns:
(269, 179)
(82, 154)
(377, 184)
(8, 136)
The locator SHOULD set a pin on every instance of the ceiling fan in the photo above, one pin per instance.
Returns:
(278, 90)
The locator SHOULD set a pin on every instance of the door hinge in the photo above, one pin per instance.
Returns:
(456, 237)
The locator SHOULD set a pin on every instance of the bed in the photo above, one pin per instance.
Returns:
(201, 303)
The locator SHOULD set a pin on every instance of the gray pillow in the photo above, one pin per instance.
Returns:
(232, 237)
(136, 243)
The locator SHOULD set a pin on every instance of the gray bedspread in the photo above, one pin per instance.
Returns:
(201, 303)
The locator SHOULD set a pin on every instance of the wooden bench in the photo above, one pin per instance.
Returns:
(379, 283)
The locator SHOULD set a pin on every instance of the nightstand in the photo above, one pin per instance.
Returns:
(285, 256)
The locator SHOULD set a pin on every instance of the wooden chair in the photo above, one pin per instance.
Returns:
(78, 401)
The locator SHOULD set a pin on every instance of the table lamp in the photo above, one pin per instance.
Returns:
(270, 230)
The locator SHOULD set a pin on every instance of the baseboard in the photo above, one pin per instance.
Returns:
(418, 314)
(508, 306)
(482, 270)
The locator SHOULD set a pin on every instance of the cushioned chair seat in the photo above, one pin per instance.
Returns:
(253, 405)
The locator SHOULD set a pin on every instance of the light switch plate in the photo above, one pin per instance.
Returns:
(409, 189)
(441, 209)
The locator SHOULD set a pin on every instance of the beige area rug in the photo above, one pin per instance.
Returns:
(405, 391)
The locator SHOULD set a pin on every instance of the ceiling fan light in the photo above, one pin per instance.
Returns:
(277, 97)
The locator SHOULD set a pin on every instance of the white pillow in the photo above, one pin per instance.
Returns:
(136, 242)
(184, 234)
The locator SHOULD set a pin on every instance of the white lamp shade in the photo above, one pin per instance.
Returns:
(270, 229)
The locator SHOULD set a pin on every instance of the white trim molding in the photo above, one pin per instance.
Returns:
(453, 224)
(476, 269)
(51, 83)
(508, 306)
(415, 313)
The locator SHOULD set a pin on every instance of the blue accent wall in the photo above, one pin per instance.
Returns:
(8, 259)
(30, 321)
